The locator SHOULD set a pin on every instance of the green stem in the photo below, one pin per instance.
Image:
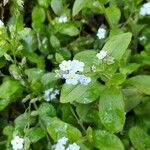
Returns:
(78, 120)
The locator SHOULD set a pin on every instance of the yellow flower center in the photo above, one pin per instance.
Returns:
(17, 142)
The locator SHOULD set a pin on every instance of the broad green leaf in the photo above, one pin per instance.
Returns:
(139, 138)
(58, 129)
(88, 57)
(44, 3)
(6, 89)
(22, 120)
(54, 41)
(113, 15)
(34, 77)
(49, 79)
(141, 82)
(103, 140)
(35, 134)
(9, 94)
(81, 93)
(46, 110)
(111, 109)
(79, 5)
(116, 79)
(57, 6)
(117, 45)
(132, 97)
(88, 114)
(8, 130)
(38, 14)
(69, 30)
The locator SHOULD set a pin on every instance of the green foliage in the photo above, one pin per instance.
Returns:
(75, 69)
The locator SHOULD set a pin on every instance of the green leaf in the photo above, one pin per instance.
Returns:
(44, 3)
(38, 14)
(46, 110)
(113, 15)
(139, 138)
(116, 79)
(57, 6)
(111, 109)
(58, 129)
(8, 94)
(88, 57)
(49, 79)
(69, 30)
(81, 93)
(132, 97)
(35, 134)
(103, 140)
(54, 41)
(117, 45)
(141, 82)
(78, 6)
(22, 120)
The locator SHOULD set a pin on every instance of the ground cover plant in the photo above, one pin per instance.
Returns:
(74, 75)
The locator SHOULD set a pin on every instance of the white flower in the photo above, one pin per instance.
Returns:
(84, 80)
(1, 24)
(17, 143)
(93, 68)
(50, 94)
(63, 19)
(71, 78)
(63, 140)
(145, 9)
(56, 92)
(142, 38)
(102, 54)
(101, 33)
(77, 66)
(59, 147)
(65, 65)
(73, 146)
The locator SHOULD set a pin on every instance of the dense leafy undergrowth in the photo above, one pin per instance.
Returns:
(75, 74)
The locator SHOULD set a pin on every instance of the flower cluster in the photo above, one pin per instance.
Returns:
(145, 9)
(105, 57)
(69, 71)
(101, 33)
(60, 145)
(63, 19)
(17, 143)
(50, 94)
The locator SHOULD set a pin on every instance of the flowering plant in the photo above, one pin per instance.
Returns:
(74, 75)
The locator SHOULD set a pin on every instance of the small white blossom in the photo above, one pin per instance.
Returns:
(142, 38)
(1, 24)
(73, 146)
(63, 140)
(84, 80)
(101, 33)
(93, 68)
(17, 143)
(65, 65)
(63, 19)
(145, 9)
(102, 54)
(77, 66)
(59, 147)
(71, 78)
(50, 94)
